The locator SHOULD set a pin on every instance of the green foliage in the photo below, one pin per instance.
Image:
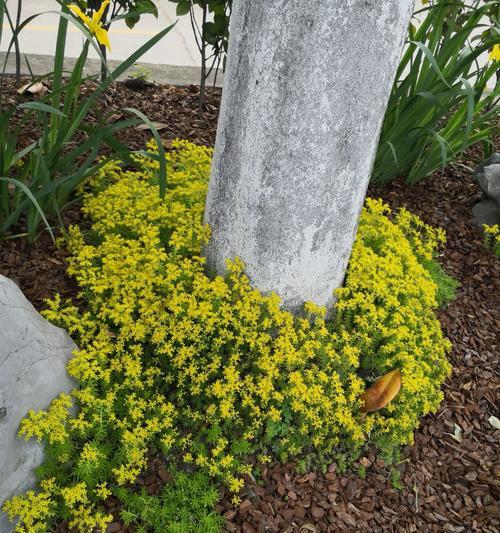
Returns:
(440, 103)
(207, 370)
(130, 10)
(140, 73)
(38, 181)
(213, 33)
(396, 479)
(446, 285)
(184, 505)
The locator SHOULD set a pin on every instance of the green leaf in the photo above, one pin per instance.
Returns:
(30, 195)
(161, 150)
(470, 110)
(183, 8)
(131, 21)
(40, 106)
(432, 60)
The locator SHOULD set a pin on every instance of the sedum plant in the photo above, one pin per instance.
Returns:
(207, 370)
(440, 103)
(492, 238)
(185, 505)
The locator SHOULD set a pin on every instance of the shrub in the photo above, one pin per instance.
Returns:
(37, 181)
(209, 370)
(440, 103)
(213, 33)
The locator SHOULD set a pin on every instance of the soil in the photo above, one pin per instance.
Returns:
(449, 480)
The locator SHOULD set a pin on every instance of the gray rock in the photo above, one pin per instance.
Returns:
(488, 177)
(33, 358)
(486, 212)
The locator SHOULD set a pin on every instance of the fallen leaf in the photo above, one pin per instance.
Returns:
(457, 433)
(115, 117)
(158, 125)
(383, 391)
(493, 420)
(308, 527)
(32, 88)
(471, 476)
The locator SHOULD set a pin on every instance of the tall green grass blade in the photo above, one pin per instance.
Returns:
(441, 87)
(161, 150)
(470, 110)
(85, 106)
(44, 108)
(393, 151)
(30, 195)
(432, 60)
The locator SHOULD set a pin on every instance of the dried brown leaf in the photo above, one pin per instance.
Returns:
(383, 391)
(158, 125)
(32, 88)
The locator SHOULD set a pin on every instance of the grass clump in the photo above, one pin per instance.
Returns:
(209, 371)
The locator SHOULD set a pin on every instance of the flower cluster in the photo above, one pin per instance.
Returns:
(207, 368)
(492, 238)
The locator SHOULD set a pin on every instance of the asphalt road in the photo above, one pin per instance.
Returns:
(176, 48)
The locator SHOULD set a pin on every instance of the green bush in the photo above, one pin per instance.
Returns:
(37, 181)
(208, 371)
(440, 104)
(211, 36)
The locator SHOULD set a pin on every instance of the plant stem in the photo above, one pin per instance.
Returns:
(16, 42)
(203, 80)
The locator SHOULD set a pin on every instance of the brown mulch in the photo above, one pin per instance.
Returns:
(174, 109)
(450, 477)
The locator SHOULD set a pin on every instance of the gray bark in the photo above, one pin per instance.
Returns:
(306, 89)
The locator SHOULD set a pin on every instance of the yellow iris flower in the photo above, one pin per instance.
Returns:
(495, 53)
(94, 24)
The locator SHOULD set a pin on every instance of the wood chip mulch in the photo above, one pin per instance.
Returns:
(449, 480)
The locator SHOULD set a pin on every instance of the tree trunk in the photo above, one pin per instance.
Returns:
(306, 88)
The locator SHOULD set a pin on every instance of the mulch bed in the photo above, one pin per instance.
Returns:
(450, 477)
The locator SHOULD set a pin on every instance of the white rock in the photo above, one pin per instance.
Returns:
(33, 358)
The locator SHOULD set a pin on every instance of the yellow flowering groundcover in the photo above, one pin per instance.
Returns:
(492, 238)
(209, 371)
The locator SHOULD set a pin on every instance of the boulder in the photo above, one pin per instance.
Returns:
(488, 177)
(486, 212)
(33, 358)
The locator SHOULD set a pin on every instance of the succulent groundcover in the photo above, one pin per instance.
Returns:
(209, 372)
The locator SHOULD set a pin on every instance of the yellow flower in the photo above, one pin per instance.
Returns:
(495, 53)
(94, 24)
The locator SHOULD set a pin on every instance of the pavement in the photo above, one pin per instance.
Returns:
(175, 59)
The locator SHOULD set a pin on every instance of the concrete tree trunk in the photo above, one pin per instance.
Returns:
(306, 89)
